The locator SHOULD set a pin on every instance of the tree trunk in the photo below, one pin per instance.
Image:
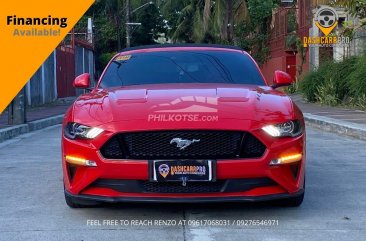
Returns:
(227, 29)
(225, 22)
(206, 15)
(230, 33)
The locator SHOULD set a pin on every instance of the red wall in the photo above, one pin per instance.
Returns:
(277, 43)
(271, 66)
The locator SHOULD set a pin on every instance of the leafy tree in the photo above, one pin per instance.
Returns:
(152, 24)
(175, 12)
(188, 21)
(237, 22)
(356, 8)
(254, 33)
(109, 26)
(228, 14)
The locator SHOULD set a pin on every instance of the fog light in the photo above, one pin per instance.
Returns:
(287, 159)
(80, 161)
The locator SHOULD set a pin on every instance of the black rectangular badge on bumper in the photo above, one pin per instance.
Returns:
(182, 170)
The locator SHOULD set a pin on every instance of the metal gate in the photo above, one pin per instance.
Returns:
(291, 66)
(65, 59)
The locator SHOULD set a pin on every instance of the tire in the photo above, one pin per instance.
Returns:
(76, 203)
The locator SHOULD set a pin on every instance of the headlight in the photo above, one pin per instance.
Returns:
(290, 128)
(78, 131)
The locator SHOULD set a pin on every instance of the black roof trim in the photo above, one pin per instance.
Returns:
(181, 45)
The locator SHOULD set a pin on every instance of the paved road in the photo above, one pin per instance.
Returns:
(32, 205)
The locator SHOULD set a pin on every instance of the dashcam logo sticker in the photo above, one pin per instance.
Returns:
(326, 19)
(164, 170)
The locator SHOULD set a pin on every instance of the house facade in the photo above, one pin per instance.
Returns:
(290, 23)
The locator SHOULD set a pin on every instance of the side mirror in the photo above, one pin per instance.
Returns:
(281, 79)
(82, 81)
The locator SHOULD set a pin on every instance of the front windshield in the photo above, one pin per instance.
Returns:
(181, 67)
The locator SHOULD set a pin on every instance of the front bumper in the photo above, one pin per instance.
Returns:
(264, 198)
(286, 181)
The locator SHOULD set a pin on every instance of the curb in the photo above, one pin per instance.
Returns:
(13, 131)
(336, 126)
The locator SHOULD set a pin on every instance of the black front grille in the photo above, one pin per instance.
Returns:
(177, 187)
(252, 147)
(219, 186)
(159, 145)
(113, 149)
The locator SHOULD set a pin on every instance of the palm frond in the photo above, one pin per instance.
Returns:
(198, 31)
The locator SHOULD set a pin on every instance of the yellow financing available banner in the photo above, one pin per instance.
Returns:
(29, 32)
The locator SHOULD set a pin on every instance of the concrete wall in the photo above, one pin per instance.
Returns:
(84, 63)
(42, 86)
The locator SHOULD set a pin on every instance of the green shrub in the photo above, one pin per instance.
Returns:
(339, 74)
(309, 85)
(294, 87)
(360, 102)
(327, 94)
(330, 83)
(357, 78)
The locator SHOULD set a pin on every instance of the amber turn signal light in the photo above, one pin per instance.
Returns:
(80, 161)
(287, 159)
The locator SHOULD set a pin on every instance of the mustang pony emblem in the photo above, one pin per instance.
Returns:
(182, 143)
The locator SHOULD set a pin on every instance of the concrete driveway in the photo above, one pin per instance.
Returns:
(32, 205)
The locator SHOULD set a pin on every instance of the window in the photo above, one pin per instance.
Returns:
(182, 67)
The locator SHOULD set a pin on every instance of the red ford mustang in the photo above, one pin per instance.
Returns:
(189, 123)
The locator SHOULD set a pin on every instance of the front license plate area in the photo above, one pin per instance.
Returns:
(182, 170)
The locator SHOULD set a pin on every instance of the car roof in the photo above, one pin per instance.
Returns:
(177, 47)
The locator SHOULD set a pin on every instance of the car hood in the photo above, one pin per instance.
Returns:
(187, 102)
